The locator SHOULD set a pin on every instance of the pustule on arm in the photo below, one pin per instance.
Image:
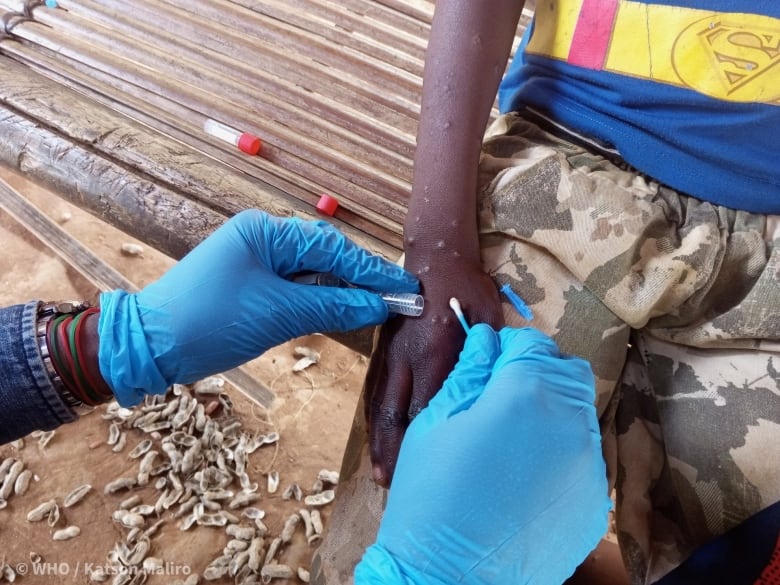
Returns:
(467, 54)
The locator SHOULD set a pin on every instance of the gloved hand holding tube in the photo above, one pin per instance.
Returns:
(500, 479)
(229, 300)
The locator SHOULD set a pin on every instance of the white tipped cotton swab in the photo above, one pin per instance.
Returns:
(455, 306)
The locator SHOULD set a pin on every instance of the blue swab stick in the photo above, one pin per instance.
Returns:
(517, 303)
(455, 306)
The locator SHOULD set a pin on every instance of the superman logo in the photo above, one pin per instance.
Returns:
(734, 57)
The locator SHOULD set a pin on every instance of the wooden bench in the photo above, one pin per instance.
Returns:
(104, 102)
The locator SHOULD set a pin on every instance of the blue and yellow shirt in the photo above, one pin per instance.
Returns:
(687, 91)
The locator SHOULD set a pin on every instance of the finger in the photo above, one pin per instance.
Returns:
(516, 342)
(389, 419)
(530, 361)
(307, 245)
(376, 374)
(388, 386)
(467, 380)
(328, 309)
(427, 376)
(527, 343)
(429, 371)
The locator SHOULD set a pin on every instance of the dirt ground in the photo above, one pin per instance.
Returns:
(312, 412)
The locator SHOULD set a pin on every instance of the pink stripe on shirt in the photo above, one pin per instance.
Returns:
(592, 33)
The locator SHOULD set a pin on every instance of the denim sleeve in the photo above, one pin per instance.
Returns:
(28, 401)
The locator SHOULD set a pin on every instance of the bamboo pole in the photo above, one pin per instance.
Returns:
(180, 196)
(282, 188)
(363, 184)
(161, 22)
(331, 86)
(421, 10)
(402, 48)
(189, 81)
(369, 17)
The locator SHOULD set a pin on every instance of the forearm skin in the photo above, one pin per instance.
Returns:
(467, 54)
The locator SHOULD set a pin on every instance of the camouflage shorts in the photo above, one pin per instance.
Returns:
(675, 302)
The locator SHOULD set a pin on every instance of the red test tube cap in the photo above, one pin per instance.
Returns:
(249, 143)
(327, 205)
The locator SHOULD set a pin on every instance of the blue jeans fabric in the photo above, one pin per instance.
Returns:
(28, 401)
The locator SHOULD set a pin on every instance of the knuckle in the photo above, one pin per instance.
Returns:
(390, 418)
(419, 402)
(414, 410)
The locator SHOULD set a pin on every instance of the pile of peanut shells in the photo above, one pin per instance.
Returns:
(192, 450)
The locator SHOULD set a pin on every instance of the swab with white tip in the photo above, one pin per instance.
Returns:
(455, 306)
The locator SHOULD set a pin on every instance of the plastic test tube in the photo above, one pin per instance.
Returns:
(409, 304)
(245, 142)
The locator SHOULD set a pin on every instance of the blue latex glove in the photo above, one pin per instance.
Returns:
(228, 301)
(500, 480)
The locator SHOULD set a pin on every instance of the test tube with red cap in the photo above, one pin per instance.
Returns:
(244, 141)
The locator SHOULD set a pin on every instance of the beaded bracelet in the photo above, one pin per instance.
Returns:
(63, 358)
(60, 339)
(83, 374)
(45, 313)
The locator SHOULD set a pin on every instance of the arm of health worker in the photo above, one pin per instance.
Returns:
(226, 302)
(501, 478)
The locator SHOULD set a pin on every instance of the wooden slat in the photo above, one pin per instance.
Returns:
(169, 118)
(363, 182)
(146, 210)
(194, 82)
(181, 171)
(332, 87)
(382, 216)
(387, 17)
(421, 10)
(344, 28)
(290, 38)
(254, 51)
